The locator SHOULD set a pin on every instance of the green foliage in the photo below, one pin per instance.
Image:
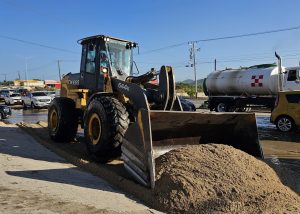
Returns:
(6, 83)
(188, 88)
(38, 88)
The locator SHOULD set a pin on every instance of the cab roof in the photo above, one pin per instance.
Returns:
(87, 39)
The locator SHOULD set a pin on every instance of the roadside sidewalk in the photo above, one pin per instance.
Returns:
(35, 180)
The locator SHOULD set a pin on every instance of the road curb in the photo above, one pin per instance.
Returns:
(101, 170)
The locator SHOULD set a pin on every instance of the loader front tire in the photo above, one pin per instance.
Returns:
(106, 121)
(62, 120)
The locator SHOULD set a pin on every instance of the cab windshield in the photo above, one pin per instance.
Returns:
(120, 57)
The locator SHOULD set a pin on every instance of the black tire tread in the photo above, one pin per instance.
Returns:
(67, 117)
(116, 125)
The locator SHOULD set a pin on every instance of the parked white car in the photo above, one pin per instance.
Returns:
(51, 94)
(12, 91)
(36, 100)
(12, 99)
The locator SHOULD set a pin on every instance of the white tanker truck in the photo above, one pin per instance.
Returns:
(239, 89)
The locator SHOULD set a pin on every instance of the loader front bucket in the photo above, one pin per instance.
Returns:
(157, 132)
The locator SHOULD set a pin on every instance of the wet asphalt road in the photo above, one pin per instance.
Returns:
(28, 116)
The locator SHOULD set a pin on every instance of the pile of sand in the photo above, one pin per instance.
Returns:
(219, 179)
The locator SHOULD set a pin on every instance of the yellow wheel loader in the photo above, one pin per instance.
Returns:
(125, 114)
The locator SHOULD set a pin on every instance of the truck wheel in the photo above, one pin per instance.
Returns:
(105, 124)
(62, 120)
(32, 105)
(285, 124)
(221, 107)
(242, 109)
(248, 109)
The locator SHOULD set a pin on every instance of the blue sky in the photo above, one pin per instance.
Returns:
(153, 24)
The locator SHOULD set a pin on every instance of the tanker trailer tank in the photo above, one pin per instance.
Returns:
(239, 89)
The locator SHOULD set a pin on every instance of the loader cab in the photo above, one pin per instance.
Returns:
(104, 57)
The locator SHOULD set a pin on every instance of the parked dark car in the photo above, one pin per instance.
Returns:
(187, 105)
(3, 93)
(5, 111)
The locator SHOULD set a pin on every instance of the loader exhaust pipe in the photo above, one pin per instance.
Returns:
(279, 64)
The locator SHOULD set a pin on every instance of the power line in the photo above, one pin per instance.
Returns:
(164, 48)
(225, 38)
(37, 44)
(249, 34)
(42, 66)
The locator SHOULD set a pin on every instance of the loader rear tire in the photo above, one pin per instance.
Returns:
(62, 120)
(106, 121)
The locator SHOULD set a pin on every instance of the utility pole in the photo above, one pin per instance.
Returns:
(4, 77)
(26, 66)
(59, 70)
(215, 64)
(193, 51)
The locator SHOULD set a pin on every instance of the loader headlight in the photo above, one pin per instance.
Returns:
(104, 70)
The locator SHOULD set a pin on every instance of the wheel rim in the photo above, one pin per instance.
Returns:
(94, 128)
(284, 124)
(53, 120)
(221, 107)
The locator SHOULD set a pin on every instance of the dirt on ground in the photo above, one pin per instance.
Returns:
(219, 179)
(24, 201)
(195, 179)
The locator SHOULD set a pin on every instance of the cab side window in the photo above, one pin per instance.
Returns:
(90, 58)
(292, 76)
(293, 98)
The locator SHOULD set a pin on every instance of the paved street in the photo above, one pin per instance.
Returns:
(35, 180)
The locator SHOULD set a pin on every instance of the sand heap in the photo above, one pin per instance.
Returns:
(219, 179)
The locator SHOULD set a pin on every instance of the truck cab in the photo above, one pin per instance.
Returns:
(291, 80)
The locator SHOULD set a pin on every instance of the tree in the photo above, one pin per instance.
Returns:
(6, 83)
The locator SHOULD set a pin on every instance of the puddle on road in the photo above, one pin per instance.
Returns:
(28, 116)
(281, 150)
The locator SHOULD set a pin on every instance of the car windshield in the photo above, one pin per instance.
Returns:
(120, 57)
(37, 94)
(4, 92)
(15, 95)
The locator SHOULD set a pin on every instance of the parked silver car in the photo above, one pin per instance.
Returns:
(13, 99)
